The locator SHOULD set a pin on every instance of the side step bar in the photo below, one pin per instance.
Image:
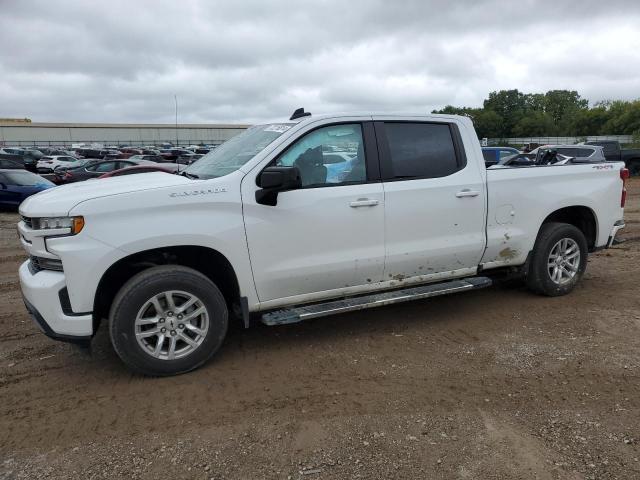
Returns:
(298, 314)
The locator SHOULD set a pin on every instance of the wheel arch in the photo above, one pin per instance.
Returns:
(580, 216)
(211, 263)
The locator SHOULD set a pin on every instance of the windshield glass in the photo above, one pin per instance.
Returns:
(237, 151)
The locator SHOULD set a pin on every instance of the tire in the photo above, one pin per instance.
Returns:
(542, 276)
(167, 309)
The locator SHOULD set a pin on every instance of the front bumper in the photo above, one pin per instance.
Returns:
(619, 225)
(43, 294)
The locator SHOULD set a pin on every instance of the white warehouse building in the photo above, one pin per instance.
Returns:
(58, 134)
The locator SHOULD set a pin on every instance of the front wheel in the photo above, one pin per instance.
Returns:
(167, 320)
(559, 259)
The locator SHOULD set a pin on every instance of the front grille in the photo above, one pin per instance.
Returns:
(28, 221)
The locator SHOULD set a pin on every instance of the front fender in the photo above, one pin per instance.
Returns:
(122, 225)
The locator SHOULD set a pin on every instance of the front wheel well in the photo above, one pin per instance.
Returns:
(581, 217)
(207, 261)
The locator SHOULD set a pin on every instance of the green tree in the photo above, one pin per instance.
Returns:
(624, 118)
(589, 121)
(509, 105)
(487, 123)
(534, 102)
(561, 103)
(508, 113)
(535, 124)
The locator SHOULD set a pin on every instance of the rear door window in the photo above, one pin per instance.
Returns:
(421, 150)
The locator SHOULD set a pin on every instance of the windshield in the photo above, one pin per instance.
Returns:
(234, 153)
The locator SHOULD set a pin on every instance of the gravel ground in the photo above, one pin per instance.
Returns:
(497, 383)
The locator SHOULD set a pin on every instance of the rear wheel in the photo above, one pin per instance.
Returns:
(167, 320)
(559, 259)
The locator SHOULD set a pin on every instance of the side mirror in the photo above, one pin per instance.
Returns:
(273, 180)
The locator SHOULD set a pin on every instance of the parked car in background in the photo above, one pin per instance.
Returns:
(615, 153)
(12, 151)
(16, 185)
(563, 154)
(173, 154)
(129, 152)
(113, 154)
(187, 159)
(164, 168)
(49, 163)
(150, 158)
(28, 158)
(593, 153)
(101, 153)
(11, 163)
(555, 155)
(493, 155)
(94, 169)
(56, 151)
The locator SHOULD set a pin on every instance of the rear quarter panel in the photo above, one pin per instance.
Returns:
(519, 200)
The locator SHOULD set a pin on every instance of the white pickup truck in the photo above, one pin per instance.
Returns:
(311, 216)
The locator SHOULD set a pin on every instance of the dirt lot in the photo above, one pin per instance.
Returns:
(494, 384)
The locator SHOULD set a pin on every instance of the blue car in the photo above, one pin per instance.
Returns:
(492, 155)
(16, 185)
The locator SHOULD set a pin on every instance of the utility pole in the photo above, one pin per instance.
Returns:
(175, 97)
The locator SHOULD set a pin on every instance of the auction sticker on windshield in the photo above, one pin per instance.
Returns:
(280, 128)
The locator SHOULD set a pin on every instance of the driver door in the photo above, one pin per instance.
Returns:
(327, 236)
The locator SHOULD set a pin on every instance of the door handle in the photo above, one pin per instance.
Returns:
(364, 202)
(467, 193)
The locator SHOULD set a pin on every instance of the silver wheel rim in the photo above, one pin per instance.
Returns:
(564, 261)
(171, 325)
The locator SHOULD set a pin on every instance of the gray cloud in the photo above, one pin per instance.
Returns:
(244, 61)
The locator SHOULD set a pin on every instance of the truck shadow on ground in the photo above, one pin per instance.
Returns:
(426, 317)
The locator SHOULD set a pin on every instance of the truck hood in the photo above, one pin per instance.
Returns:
(60, 200)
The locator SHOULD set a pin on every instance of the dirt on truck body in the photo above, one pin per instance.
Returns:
(497, 383)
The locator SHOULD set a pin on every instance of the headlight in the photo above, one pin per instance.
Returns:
(75, 224)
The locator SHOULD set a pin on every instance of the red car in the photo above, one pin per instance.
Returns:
(166, 168)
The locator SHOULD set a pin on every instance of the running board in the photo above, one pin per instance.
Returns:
(298, 314)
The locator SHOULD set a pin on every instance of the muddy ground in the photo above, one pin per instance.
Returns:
(497, 383)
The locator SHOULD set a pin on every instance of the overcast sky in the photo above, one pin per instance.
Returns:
(245, 60)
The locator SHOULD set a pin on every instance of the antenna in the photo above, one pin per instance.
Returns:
(299, 113)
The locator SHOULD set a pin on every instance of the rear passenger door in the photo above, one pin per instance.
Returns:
(435, 200)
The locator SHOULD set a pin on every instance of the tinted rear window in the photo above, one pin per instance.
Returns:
(422, 150)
